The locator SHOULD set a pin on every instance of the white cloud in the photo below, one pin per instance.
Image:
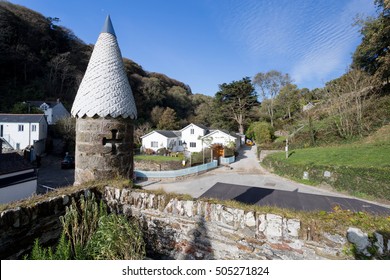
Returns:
(310, 39)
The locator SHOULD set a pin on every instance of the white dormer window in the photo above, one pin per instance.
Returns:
(20, 127)
(44, 107)
(192, 131)
(34, 127)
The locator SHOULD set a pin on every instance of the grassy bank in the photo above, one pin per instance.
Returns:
(360, 169)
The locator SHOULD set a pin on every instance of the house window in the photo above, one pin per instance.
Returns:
(154, 144)
(180, 143)
(192, 131)
(20, 127)
(18, 146)
(34, 127)
(192, 144)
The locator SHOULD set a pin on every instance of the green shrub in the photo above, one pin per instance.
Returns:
(197, 157)
(63, 251)
(89, 232)
(228, 152)
(80, 222)
(116, 239)
(262, 132)
(162, 152)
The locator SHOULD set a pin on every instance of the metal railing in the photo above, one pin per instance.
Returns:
(227, 160)
(176, 173)
(7, 140)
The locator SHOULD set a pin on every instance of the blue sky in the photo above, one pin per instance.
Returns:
(204, 43)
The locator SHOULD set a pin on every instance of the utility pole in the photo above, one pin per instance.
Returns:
(286, 148)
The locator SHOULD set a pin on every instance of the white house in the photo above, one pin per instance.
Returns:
(158, 139)
(222, 137)
(22, 130)
(194, 136)
(53, 111)
(18, 178)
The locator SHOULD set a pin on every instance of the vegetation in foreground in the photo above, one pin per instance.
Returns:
(90, 232)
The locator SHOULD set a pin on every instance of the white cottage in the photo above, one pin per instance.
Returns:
(22, 130)
(158, 139)
(54, 111)
(222, 137)
(192, 136)
(195, 137)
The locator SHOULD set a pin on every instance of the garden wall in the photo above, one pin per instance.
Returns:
(19, 227)
(186, 229)
(148, 165)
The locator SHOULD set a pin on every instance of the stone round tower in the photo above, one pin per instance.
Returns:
(104, 108)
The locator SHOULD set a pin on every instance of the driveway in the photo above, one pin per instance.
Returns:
(51, 175)
(246, 173)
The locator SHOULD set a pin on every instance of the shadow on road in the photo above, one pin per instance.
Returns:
(253, 195)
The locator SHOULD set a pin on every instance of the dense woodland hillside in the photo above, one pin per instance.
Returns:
(41, 60)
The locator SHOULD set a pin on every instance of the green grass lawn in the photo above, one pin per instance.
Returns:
(360, 169)
(347, 155)
(156, 158)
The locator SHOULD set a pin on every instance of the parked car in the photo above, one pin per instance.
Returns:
(67, 162)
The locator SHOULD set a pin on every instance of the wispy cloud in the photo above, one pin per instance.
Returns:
(310, 39)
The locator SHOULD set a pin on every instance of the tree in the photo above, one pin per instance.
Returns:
(203, 109)
(235, 101)
(178, 98)
(141, 130)
(372, 55)
(24, 108)
(168, 120)
(288, 99)
(261, 132)
(156, 114)
(66, 129)
(270, 84)
(347, 100)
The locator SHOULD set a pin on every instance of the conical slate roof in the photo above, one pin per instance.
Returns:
(105, 89)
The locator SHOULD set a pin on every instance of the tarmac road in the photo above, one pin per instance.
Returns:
(51, 175)
(245, 180)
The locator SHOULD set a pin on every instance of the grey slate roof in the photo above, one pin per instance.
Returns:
(105, 89)
(21, 118)
(167, 133)
(201, 126)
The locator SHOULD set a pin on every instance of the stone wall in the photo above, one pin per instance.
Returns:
(19, 227)
(186, 229)
(148, 165)
(200, 230)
